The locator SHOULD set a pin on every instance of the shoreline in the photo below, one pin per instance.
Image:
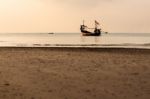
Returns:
(74, 73)
(78, 47)
(96, 46)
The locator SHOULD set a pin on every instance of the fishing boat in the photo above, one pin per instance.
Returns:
(85, 30)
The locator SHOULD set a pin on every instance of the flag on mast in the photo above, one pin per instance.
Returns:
(97, 22)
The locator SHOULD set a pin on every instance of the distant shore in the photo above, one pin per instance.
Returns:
(74, 73)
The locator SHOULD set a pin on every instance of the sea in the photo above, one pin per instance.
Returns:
(109, 40)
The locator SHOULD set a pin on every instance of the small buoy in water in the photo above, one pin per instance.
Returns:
(50, 33)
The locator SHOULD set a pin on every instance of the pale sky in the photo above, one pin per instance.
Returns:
(67, 15)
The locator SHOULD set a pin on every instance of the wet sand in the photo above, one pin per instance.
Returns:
(74, 73)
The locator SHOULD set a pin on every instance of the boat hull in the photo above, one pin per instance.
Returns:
(91, 34)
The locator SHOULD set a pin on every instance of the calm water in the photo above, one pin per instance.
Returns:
(129, 40)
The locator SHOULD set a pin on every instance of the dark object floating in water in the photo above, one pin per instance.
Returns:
(51, 33)
(106, 32)
(97, 31)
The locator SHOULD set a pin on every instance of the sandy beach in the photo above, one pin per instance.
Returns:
(74, 73)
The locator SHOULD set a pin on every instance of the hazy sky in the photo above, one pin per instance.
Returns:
(67, 15)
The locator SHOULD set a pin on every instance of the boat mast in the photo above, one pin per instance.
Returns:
(96, 24)
(83, 22)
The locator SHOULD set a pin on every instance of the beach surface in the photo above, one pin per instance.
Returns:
(74, 73)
